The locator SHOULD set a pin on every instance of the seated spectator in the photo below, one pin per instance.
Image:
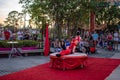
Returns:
(57, 45)
(87, 47)
(26, 36)
(62, 44)
(92, 46)
(105, 44)
(81, 46)
(14, 36)
(67, 43)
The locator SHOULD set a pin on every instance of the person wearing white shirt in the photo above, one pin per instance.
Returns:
(20, 35)
(1, 35)
(116, 40)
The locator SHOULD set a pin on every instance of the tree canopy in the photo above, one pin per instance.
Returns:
(71, 14)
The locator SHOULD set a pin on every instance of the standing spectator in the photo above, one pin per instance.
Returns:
(6, 34)
(1, 34)
(95, 37)
(116, 40)
(109, 40)
(103, 39)
(87, 47)
(34, 32)
(39, 37)
(20, 35)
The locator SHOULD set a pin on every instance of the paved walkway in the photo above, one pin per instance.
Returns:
(115, 75)
(19, 63)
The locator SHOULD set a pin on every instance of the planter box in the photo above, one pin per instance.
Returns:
(29, 48)
(5, 49)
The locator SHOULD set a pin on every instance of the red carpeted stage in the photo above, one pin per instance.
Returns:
(96, 69)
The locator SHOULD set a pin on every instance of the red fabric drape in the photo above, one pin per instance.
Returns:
(47, 46)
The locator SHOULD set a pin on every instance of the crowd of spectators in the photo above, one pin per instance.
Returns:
(89, 41)
(21, 34)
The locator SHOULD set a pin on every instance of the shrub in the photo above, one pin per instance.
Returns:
(24, 43)
(4, 44)
(29, 43)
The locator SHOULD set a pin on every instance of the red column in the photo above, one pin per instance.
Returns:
(92, 21)
(46, 46)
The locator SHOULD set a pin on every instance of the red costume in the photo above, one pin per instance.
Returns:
(7, 35)
(73, 44)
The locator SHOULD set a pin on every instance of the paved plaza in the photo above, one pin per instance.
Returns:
(19, 63)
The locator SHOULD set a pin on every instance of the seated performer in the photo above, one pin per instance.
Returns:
(72, 47)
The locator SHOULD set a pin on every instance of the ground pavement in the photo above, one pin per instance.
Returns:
(19, 63)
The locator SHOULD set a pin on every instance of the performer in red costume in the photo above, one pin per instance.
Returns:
(72, 46)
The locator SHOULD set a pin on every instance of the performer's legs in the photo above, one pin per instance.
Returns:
(64, 52)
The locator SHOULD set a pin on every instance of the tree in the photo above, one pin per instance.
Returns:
(108, 14)
(68, 14)
(12, 18)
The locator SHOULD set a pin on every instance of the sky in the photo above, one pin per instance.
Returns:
(7, 6)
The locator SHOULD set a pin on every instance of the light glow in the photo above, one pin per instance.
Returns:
(7, 6)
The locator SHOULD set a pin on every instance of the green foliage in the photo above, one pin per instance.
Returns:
(4, 44)
(12, 18)
(71, 12)
(28, 43)
(24, 43)
(109, 15)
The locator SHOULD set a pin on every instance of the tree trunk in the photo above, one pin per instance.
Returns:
(68, 28)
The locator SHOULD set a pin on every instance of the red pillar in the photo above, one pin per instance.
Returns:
(46, 46)
(92, 21)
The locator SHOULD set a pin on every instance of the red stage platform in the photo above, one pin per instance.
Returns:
(70, 61)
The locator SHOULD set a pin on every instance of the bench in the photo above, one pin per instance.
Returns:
(5, 50)
(27, 51)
